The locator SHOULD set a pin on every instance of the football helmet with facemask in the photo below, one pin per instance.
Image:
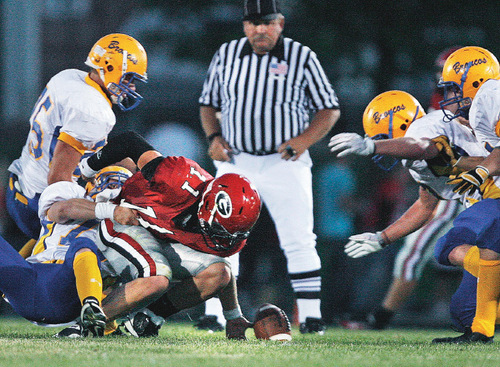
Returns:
(109, 179)
(464, 72)
(228, 210)
(120, 61)
(388, 116)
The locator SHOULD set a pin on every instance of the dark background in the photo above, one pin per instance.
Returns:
(365, 47)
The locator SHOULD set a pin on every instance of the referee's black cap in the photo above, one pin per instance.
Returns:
(261, 9)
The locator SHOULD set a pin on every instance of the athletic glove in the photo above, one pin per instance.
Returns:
(235, 328)
(351, 143)
(363, 244)
(470, 181)
(444, 164)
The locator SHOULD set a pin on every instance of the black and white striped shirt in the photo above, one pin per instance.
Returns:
(265, 99)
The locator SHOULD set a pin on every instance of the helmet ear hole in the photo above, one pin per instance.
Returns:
(109, 68)
(403, 127)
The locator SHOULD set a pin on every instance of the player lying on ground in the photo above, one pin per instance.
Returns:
(62, 280)
(188, 223)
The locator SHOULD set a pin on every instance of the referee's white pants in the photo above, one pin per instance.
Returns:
(286, 189)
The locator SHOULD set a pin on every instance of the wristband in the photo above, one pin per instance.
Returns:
(232, 314)
(213, 136)
(383, 239)
(105, 210)
(85, 169)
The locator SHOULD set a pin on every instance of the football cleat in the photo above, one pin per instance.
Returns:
(380, 319)
(73, 332)
(466, 338)
(210, 323)
(313, 325)
(143, 324)
(92, 318)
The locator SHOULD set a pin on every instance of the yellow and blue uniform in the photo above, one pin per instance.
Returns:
(51, 284)
(73, 109)
(44, 293)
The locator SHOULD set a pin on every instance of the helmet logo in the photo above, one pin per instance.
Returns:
(457, 67)
(380, 116)
(223, 204)
(115, 45)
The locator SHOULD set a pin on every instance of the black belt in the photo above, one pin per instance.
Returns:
(261, 152)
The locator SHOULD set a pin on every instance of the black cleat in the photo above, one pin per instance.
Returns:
(209, 322)
(380, 319)
(466, 338)
(313, 325)
(141, 325)
(92, 318)
(73, 332)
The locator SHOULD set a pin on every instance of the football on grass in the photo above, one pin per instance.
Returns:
(271, 323)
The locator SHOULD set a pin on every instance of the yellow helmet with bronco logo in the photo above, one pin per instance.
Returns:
(120, 60)
(464, 72)
(389, 114)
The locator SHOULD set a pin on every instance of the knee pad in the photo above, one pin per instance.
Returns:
(455, 237)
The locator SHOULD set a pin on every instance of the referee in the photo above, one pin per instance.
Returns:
(255, 107)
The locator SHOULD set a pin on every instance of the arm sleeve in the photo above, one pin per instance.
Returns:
(128, 144)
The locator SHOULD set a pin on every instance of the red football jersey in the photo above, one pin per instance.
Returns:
(168, 204)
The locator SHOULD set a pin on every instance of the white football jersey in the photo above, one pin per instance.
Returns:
(72, 108)
(55, 238)
(484, 114)
(461, 137)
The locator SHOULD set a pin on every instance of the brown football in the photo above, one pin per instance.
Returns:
(271, 323)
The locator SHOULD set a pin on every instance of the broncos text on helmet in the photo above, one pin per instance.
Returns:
(120, 61)
(464, 72)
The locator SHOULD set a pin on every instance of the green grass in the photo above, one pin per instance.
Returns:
(179, 344)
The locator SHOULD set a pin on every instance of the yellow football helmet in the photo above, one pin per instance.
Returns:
(390, 114)
(112, 177)
(464, 72)
(120, 61)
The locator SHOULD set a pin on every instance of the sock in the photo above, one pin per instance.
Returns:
(488, 292)
(111, 327)
(308, 308)
(88, 276)
(307, 287)
(27, 249)
(214, 307)
(471, 261)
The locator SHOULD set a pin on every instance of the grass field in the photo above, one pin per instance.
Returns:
(179, 344)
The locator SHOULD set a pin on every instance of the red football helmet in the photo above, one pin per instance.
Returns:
(228, 210)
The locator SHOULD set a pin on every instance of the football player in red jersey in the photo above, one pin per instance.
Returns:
(187, 223)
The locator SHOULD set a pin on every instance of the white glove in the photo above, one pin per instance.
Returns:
(363, 244)
(85, 168)
(351, 143)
